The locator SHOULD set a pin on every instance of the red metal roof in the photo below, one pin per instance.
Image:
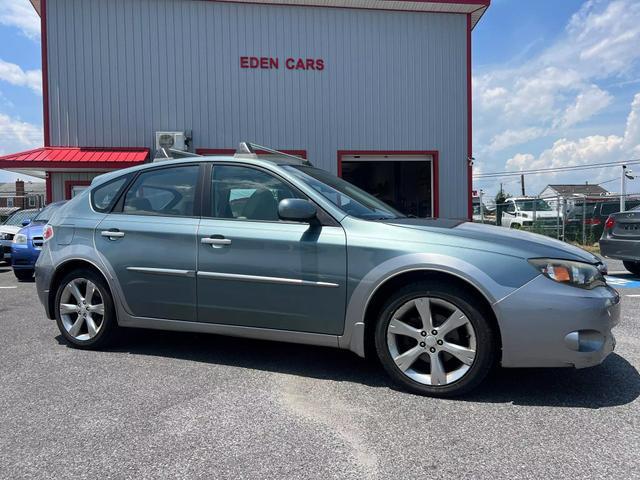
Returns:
(75, 157)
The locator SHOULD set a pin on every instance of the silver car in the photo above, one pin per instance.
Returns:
(621, 239)
(270, 247)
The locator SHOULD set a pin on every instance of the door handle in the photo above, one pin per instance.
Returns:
(216, 240)
(113, 233)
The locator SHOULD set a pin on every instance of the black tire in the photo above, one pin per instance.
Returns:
(109, 323)
(633, 267)
(486, 337)
(23, 275)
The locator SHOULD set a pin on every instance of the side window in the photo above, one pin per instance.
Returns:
(103, 197)
(168, 192)
(511, 207)
(247, 193)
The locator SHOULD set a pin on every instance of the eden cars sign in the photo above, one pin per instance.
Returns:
(274, 63)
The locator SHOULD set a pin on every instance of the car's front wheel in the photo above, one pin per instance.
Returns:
(84, 309)
(633, 267)
(432, 339)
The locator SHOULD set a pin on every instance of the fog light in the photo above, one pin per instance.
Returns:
(585, 341)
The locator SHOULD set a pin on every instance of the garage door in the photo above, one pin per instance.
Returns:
(403, 181)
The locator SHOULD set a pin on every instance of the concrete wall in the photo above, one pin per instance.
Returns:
(119, 70)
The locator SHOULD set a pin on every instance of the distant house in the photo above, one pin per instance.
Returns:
(19, 195)
(571, 193)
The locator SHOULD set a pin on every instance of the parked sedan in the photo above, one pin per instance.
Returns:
(273, 248)
(9, 228)
(621, 239)
(27, 243)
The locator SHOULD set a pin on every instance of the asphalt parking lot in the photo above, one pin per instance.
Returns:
(168, 405)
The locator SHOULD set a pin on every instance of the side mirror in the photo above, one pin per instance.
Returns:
(26, 222)
(297, 210)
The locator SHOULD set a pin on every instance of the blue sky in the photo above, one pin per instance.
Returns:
(555, 83)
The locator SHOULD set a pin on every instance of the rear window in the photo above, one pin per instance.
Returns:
(103, 197)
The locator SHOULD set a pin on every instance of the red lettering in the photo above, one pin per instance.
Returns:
(273, 63)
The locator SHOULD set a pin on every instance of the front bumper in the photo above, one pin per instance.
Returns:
(23, 257)
(546, 324)
(5, 250)
(620, 249)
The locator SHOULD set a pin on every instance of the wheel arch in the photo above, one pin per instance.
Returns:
(394, 282)
(63, 269)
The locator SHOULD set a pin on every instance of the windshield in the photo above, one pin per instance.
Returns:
(531, 205)
(45, 215)
(347, 197)
(17, 218)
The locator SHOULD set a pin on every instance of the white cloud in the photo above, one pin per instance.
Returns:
(584, 151)
(632, 132)
(511, 138)
(15, 75)
(562, 87)
(16, 135)
(588, 103)
(22, 15)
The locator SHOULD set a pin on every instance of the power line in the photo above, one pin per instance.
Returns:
(557, 169)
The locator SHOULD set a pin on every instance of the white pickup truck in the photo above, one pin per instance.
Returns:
(522, 212)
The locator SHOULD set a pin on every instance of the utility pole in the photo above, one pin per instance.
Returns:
(623, 187)
(522, 183)
(480, 194)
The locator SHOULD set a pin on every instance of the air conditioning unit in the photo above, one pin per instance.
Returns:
(172, 140)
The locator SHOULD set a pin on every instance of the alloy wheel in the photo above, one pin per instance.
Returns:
(81, 309)
(431, 341)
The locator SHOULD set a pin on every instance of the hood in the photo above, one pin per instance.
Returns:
(495, 239)
(12, 229)
(32, 230)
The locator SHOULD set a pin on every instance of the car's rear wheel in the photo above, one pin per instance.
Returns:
(84, 309)
(23, 275)
(633, 267)
(432, 339)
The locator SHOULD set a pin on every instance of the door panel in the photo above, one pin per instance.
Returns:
(278, 275)
(155, 263)
(151, 242)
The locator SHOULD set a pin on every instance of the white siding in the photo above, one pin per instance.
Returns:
(119, 70)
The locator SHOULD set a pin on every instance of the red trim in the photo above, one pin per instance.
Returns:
(469, 123)
(48, 189)
(69, 184)
(231, 151)
(435, 155)
(45, 73)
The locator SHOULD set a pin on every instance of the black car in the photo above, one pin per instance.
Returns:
(621, 238)
(595, 213)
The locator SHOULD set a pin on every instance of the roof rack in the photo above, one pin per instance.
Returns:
(248, 148)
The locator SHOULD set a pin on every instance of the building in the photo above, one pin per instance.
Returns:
(571, 194)
(19, 195)
(377, 91)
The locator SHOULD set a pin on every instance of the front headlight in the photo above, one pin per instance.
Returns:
(20, 239)
(576, 274)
